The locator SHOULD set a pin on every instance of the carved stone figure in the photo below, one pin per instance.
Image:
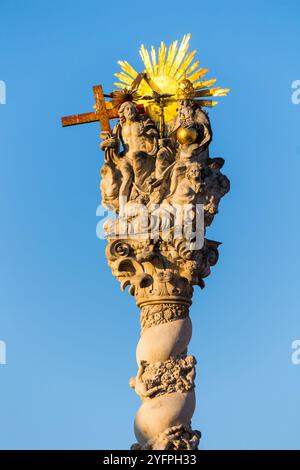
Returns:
(135, 163)
(193, 131)
(191, 187)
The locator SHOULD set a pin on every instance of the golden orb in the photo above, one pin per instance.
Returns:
(186, 135)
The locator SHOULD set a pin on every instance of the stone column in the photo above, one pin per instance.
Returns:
(161, 280)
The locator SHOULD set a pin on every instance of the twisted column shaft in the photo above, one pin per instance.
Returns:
(165, 380)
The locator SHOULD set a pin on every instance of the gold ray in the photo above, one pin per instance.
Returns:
(213, 92)
(146, 59)
(196, 75)
(180, 54)
(193, 67)
(207, 103)
(124, 78)
(154, 63)
(185, 64)
(207, 92)
(222, 92)
(161, 58)
(170, 57)
(120, 85)
(205, 84)
(126, 67)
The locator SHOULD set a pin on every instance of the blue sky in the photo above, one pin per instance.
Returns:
(70, 332)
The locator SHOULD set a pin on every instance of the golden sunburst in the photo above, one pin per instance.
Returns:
(166, 69)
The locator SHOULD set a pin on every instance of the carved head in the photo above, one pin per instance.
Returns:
(185, 89)
(194, 172)
(127, 111)
(190, 361)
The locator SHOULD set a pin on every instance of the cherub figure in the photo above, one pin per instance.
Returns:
(191, 187)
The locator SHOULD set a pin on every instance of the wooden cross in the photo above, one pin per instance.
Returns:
(102, 114)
